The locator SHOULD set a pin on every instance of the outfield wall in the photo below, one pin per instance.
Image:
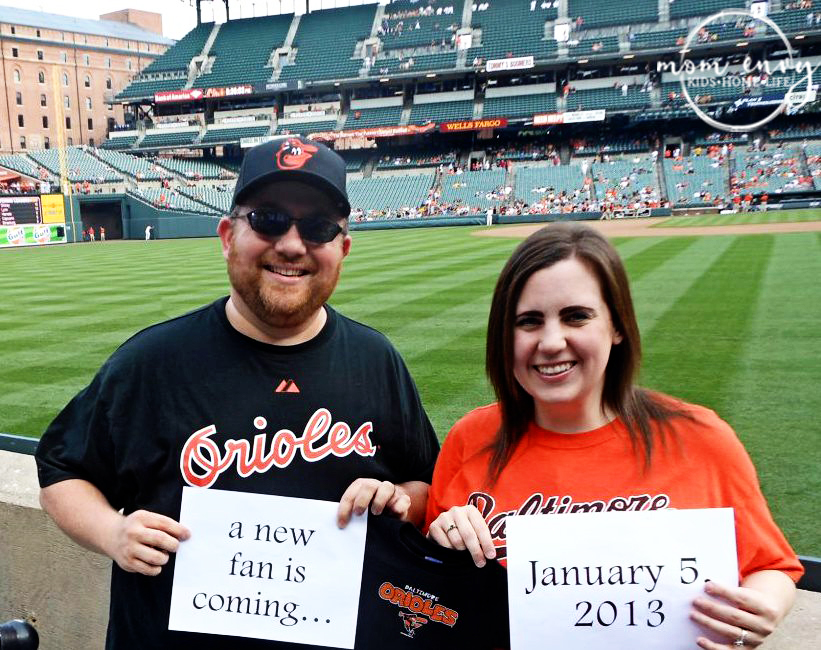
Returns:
(63, 589)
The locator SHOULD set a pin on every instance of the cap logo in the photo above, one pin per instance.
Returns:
(294, 153)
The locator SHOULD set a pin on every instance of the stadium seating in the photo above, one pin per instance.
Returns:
(512, 29)
(139, 89)
(409, 159)
(420, 63)
(21, 163)
(472, 188)
(194, 168)
(402, 17)
(133, 166)
(798, 132)
(355, 159)
(175, 60)
(690, 8)
(389, 192)
(609, 144)
(180, 54)
(657, 39)
(364, 118)
(235, 133)
(242, 50)
(774, 170)
(441, 112)
(167, 199)
(217, 200)
(561, 178)
(119, 142)
(307, 127)
(625, 177)
(608, 98)
(158, 138)
(81, 165)
(519, 105)
(686, 179)
(794, 20)
(603, 13)
(593, 46)
(315, 58)
(813, 153)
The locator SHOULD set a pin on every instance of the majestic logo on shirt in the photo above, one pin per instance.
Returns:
(202, 460)
(541, 504)
(294, 153)
(422, 607)
(287, 386)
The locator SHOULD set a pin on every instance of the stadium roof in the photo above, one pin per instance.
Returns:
(15, 16)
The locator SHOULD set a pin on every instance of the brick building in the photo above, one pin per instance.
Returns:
(79, 62)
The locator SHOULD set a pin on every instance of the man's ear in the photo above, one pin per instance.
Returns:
(347, 241)
(225, 230)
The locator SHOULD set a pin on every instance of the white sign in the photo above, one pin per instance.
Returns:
(616, 580)
(267, 567)
(569, 117)
(513, 63)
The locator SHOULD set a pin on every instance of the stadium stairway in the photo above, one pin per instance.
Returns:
(195, 70)
(664, 11)
(661, 179)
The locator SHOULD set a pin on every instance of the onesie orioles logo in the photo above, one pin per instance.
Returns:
(202, 461)
(412, 623)
(421, 609)
(294, 153)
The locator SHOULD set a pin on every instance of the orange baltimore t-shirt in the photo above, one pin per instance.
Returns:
(701, 465)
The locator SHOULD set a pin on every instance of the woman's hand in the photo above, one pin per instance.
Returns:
(463, 527)
(746, 615)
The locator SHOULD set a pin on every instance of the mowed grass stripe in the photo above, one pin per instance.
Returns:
(741, 218)
(654, 256)
(657, 291)
(776, 388)
(450, 377)
(694, 350)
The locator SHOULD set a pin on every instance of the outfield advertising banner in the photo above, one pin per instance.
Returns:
(512, 63)
(32, 235)
(570, 117)
(53, 208)
(474, 125)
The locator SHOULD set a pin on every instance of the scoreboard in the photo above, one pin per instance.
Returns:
(32, 220)
(20, 210)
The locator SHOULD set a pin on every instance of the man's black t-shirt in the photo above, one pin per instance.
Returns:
(193, 402)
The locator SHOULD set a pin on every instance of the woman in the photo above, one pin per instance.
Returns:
(570, 429)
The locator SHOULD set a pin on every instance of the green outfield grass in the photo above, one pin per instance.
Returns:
(731, 322)
(771, 216)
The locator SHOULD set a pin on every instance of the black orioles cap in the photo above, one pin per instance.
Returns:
(294, 158)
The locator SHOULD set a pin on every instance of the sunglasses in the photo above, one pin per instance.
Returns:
(271, 223)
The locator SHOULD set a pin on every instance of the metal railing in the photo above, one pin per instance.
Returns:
(20, 444)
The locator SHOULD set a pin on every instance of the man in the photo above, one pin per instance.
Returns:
(179, 401)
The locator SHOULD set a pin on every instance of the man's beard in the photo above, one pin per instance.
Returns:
(281, 306)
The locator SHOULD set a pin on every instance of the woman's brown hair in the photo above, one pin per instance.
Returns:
(636, 407)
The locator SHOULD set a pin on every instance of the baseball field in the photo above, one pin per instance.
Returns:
(730, 315)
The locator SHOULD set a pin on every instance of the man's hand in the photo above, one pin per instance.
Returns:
(141, 542)
(406, 501)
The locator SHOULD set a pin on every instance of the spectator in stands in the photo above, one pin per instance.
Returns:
(115, 483)
(563, 351)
